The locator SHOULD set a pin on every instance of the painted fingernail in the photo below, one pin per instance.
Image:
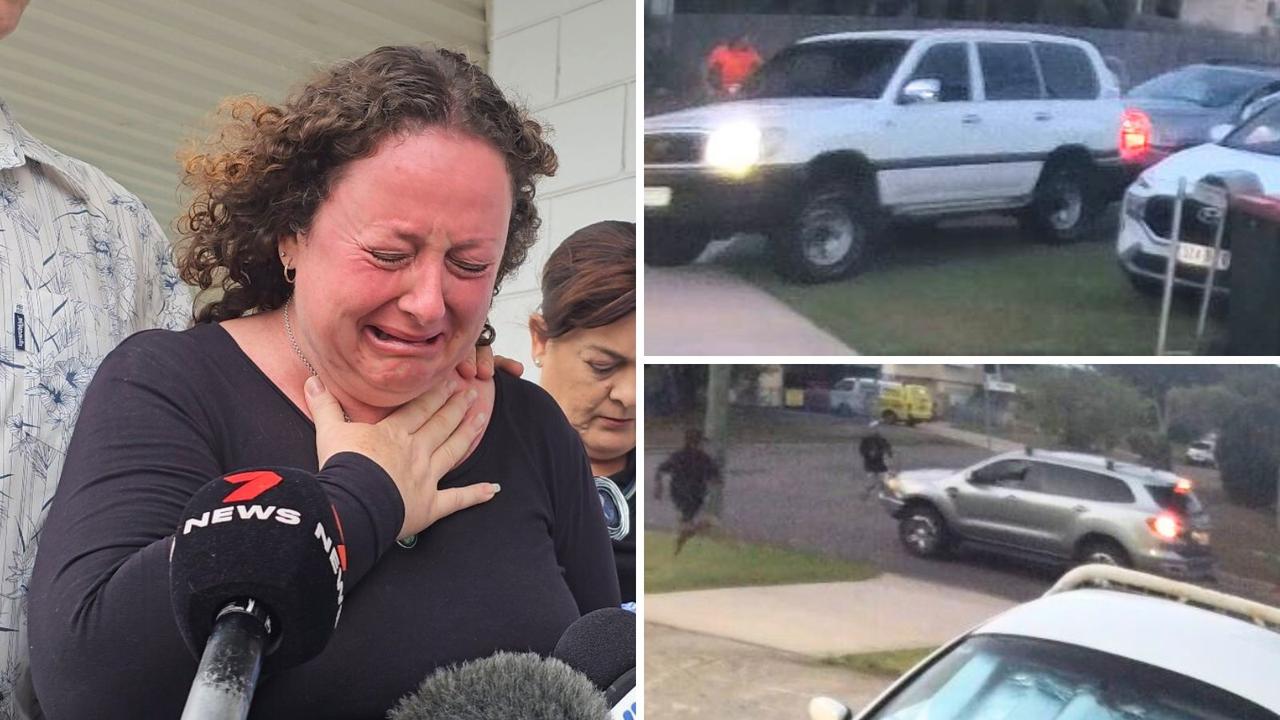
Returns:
(472, 395)
(314, 386)
(479, 419)
(450, 385)
(497, 488)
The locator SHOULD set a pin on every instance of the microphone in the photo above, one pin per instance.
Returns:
(256, 568)
(602, 646)
(504, 686)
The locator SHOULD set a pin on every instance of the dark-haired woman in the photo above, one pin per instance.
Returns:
(584, 340)
(359, 232)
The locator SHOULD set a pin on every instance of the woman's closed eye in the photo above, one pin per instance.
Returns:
(469, 267)
(602, 367)
(390, 259)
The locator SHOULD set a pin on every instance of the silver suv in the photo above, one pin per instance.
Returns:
(1056, 506)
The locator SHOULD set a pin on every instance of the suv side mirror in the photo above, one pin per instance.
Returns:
(922, 90)
(824, 708)
(1218, 132)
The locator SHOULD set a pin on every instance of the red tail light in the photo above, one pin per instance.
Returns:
(1165, 526)
(1135, 134)
(1183, 486)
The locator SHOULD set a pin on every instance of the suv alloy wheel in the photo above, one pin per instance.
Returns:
(830, 237)
(1063, 207)
(923, 532)
(1104, 552)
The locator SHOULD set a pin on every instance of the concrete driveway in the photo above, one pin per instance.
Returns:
(694, 676)
(703, 309)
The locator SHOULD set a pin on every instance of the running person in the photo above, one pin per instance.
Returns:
(874, 448)
(691, 471)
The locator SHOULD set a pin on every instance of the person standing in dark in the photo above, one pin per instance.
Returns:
(874, 448)
(729, 65)
(691, 471)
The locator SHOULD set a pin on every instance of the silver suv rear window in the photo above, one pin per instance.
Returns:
(1184, 503)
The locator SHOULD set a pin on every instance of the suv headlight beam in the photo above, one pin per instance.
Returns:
(734, 148)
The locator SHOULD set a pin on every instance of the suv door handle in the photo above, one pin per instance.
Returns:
(1080, 509)
(1011, 497)
(971, 119)
(952, 492)
(1042, 116)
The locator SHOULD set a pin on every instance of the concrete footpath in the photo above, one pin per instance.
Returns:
(889, 612)
(755, 653)
(703, 310)
(944, 429)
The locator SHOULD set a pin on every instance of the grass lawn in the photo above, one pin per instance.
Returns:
(890, 663)
(779, 425)
(722, 562)
(979, 291)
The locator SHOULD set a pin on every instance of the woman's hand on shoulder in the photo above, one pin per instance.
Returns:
(482, 364)
(416, 445)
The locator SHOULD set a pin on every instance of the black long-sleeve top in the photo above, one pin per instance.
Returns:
(169, 411)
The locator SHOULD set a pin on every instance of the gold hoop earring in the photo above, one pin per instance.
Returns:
(487, 336)
(290, 274)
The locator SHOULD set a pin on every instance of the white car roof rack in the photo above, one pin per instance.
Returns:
(1112, 577)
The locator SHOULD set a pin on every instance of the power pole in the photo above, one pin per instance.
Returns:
(716, 428)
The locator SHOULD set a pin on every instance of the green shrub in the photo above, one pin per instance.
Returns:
(1152, 447)
(1248, 454)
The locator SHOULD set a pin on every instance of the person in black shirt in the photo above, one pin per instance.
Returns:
(584, 340)
(691, 471)
(874, 449)
(358, 233)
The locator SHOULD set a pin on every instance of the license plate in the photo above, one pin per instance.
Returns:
(657, 196)
(1202, 256)
(1200, 537)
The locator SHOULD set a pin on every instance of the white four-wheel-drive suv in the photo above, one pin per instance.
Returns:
(837, 133)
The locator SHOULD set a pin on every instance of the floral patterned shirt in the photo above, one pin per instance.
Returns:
(83, 265)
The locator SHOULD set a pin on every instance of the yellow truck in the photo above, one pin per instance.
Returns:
(908, 404)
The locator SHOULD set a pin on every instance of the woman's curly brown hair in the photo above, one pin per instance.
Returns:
(266, 171)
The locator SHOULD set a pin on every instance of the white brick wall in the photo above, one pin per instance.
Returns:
(573, 62)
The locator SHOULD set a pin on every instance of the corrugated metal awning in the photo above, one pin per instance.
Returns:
(122, 84)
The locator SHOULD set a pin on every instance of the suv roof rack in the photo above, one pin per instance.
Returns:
(1118, 578)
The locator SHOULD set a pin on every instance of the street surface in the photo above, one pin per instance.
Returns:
(810, 497)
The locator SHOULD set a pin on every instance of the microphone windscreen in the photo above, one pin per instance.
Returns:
(269, 535)
(600, 645)
(502, 687)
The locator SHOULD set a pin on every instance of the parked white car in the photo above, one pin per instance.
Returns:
(857, 396)
(1147, 221)
(1105, 643)
(1202, 452)
(838, 133)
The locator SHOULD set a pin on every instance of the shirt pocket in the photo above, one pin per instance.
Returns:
(47, 365)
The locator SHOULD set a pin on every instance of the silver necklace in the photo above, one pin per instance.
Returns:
(405, 542)
(288, 329)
